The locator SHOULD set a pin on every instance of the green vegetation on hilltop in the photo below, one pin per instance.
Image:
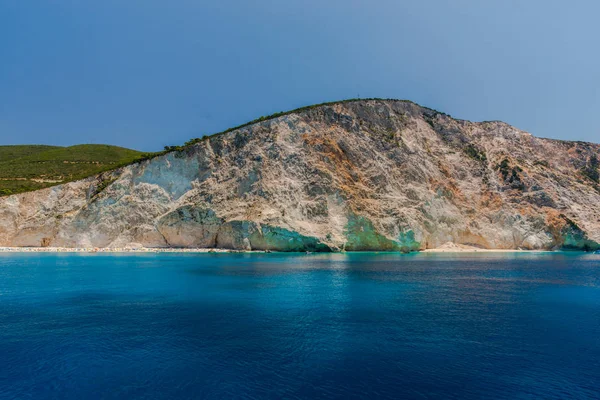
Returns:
(24, 168)
(11, 152)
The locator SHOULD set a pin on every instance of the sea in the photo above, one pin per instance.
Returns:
(300, 326)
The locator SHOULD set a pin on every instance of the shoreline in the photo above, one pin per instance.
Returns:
(477, 250)
(450, 247)
(443, 249)
(119, 250)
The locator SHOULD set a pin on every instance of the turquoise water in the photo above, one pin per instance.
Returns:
(344, 326)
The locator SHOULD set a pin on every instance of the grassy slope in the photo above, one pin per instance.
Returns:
(19, 165)
(11, 152)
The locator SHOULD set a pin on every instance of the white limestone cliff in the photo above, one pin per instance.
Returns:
(361, 175)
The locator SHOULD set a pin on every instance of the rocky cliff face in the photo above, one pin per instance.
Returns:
(363, 175)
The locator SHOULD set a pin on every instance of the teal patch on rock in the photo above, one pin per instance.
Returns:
(574, 238)
(361, 235)
(407, 242)
(249, 235)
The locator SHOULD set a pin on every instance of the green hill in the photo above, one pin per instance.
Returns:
(8, 153)
(30, 167)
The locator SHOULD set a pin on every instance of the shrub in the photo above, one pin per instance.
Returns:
(591, 169)
(475, 153)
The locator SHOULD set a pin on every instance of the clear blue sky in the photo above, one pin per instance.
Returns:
(149, 73)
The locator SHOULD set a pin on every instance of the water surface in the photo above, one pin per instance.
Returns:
(151, 326)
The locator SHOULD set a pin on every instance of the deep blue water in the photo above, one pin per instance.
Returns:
(510, 326)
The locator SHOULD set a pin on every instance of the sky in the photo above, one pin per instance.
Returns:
(149, 73)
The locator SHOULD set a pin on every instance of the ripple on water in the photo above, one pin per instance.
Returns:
(296, 326)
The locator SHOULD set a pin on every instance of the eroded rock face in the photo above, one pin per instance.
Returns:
(364, 175)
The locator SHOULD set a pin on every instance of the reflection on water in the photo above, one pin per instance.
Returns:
(493, 325)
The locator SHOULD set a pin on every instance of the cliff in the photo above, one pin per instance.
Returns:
(360, 175)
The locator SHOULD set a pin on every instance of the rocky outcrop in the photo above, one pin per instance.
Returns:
(361, 175)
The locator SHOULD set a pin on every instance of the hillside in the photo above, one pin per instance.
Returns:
(30, 167)
(356, 175)
(8, 153)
